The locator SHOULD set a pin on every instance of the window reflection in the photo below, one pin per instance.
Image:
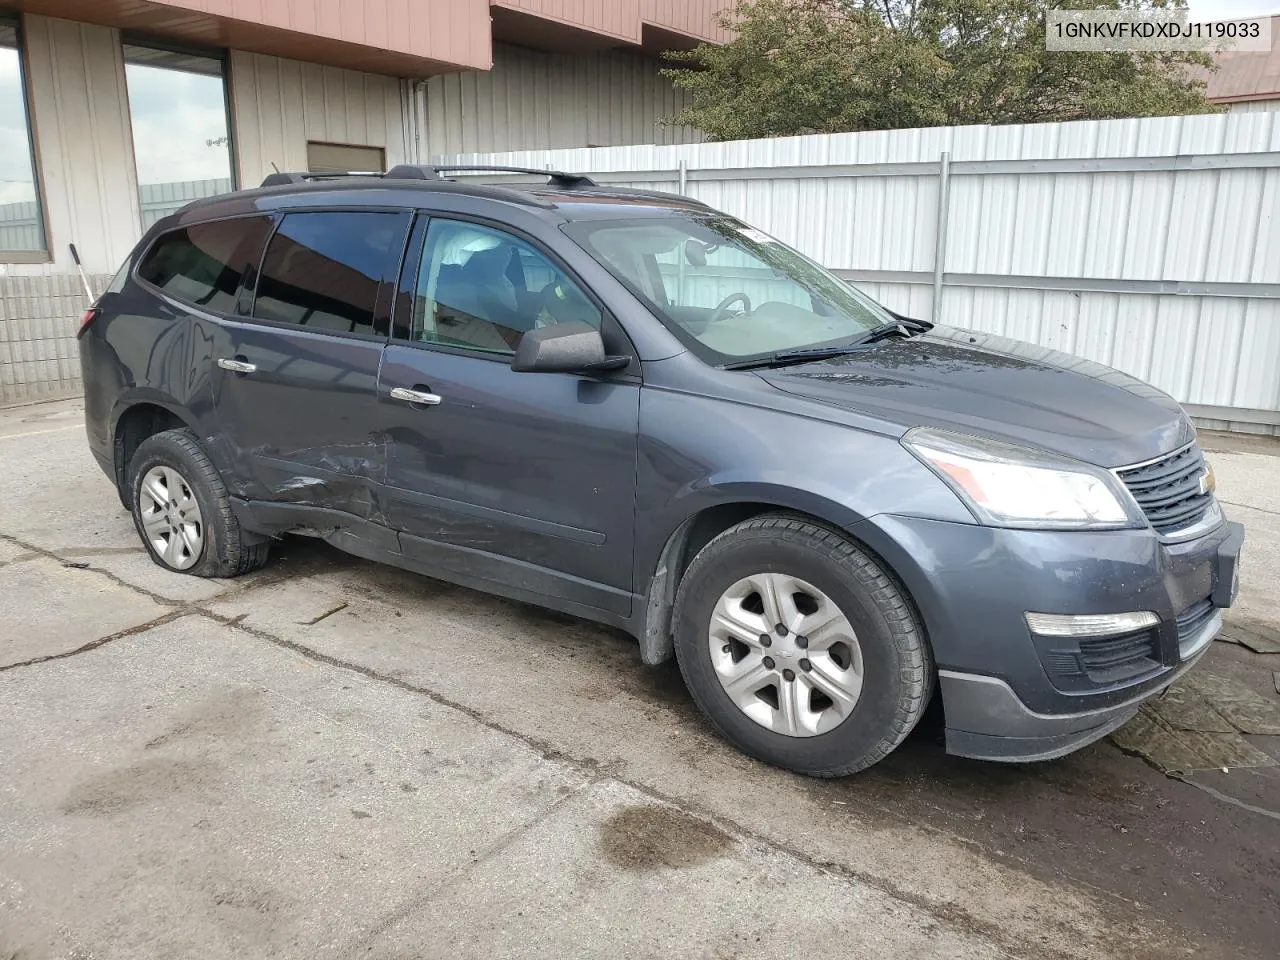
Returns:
(181, 138)
(323, 270)
(21, 223)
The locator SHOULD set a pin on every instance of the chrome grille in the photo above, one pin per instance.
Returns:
(1169, 489)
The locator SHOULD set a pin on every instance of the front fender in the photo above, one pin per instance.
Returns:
(702, 456)
(699, 452)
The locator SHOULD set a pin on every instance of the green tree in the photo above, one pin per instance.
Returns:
(827, 66)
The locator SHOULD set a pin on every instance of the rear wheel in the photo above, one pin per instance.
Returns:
(183, 513)
(800, 647)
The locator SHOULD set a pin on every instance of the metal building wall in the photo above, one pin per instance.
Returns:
(618, 18)
(79, 109)
(277, 105)
(696, 17)
(533, 100)
(80, 114)
(626, 20)
(1150, 245)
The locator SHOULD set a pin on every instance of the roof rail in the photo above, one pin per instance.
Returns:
(284, 179)
(407, 171)
(555, 177)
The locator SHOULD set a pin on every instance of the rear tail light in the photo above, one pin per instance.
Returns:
(90, 315)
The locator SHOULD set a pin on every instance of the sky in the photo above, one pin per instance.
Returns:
(1227, 9)
(15, 154)
(175, 115)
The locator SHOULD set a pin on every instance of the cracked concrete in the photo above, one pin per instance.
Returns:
(333, 758)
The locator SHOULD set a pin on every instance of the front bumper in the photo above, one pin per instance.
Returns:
(973, 585)
(987, 721)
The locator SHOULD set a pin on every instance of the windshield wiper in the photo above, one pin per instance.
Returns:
(904, 327)
(901, 328)
(792, 356)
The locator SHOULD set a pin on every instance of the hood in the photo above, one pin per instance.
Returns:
(980, 384)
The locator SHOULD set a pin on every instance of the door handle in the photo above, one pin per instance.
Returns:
(236, 366)
(414, 396)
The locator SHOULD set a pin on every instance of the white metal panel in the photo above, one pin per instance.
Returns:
(1183, 226)
(278, 105)
(84, 148)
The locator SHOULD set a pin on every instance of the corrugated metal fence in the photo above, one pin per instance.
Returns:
(20, 226)
(1149, 245)
(158, 200)
(20, 222)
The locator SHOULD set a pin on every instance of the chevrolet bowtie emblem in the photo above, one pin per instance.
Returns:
(1207, 481)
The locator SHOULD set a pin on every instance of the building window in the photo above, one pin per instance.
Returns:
(181, 131)
(345, 158)
(22, 235)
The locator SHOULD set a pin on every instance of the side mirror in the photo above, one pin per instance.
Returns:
(575, 347)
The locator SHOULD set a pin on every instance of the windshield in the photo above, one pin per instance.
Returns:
(727, 290)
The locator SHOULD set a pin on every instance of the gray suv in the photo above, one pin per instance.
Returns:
(632, 408)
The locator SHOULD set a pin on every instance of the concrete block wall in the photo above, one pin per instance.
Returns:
(39, 317)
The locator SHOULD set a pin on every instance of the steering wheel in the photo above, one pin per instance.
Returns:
(722, 308)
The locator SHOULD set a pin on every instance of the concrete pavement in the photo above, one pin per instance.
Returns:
(334, 758)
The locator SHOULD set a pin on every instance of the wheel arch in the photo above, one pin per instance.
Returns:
(136, 418)
(705, 519)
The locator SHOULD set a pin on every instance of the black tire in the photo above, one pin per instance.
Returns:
(897, 663)
(227, 550)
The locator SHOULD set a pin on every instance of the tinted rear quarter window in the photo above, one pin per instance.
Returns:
(324, 270)
(203, 264)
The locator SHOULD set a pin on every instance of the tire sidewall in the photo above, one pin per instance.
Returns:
(863, 732)
(164, 450)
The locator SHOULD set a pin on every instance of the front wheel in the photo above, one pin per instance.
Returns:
(800, 648)
(183, 513)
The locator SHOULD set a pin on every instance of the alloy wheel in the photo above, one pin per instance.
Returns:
(171, 518)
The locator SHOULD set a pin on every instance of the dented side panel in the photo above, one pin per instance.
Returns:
(536, 467)
(304, 426)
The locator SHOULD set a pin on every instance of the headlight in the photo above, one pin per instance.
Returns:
(1006, 485)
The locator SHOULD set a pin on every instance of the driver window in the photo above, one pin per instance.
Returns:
(482, 289)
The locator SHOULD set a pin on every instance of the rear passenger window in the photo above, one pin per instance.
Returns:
(203, 264)
(324, 270)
